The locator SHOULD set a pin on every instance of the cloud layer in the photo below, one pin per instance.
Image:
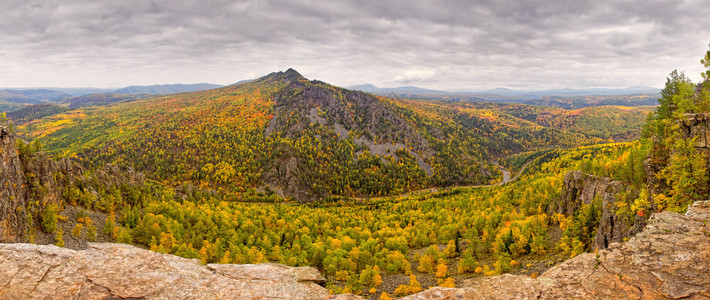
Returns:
(436, 44)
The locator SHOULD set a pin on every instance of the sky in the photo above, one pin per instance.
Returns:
(448, 45)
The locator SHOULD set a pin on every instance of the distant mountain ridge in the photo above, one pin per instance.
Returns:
(501, 91)
(166, 88)
(369, 88)
(579, 92)
(12, 99)
(31, 96)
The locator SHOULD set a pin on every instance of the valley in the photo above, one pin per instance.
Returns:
(385, 197)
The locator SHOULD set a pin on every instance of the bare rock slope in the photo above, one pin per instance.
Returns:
(669, 259)
(112, 271)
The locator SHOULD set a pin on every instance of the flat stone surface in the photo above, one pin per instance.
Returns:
(123, 271)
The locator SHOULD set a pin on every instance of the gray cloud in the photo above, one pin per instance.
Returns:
(435, 44)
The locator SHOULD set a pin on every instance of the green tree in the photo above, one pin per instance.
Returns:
(123, 235)
(109, 226)
(49, 218)
(706, 63)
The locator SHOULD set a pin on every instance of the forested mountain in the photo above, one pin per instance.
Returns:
(309, 140)
(6, 106)
(34, 112)
(101, 99)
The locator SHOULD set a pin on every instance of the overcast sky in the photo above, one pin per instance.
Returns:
(475, 45)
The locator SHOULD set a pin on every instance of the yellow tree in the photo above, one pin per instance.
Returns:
(426, 264)
(441, 269)
(413, 287)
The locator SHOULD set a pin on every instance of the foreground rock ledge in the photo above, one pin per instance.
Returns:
(122, 271)
(669, 259)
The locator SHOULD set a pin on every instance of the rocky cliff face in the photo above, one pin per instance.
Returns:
(26, 179)
(581, 188)
(669, 259)
(13, 189)
(692, 126)
(30, 182)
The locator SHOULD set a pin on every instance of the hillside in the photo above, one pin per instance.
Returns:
(101, 99)
(6, 106)
(619, 123)
(381, 238)
(495, 229)
(309, 140)
(34, 112)
(354, 150)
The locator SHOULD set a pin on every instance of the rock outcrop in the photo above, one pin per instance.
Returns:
(116, 271)
(30, 181)
(669, 259)
(13, 190)
(580, 189)
(26, 179)
(697, 126)
(691, 126)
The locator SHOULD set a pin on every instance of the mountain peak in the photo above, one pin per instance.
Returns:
(291, 72)
(290, 75)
